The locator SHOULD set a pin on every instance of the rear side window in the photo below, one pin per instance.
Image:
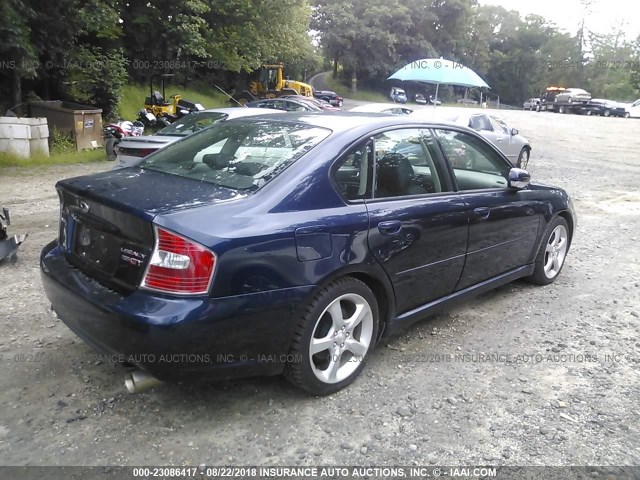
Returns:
(352, 174)
(240, 154)
(404, 164)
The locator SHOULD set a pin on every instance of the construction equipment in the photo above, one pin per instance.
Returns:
(157, 104)
(272, 83)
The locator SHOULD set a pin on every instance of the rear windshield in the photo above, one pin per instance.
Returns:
(191, 124)
(238, 154)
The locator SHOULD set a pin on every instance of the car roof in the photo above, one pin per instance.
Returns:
(376, 107)
(235, 112)
(341, 121)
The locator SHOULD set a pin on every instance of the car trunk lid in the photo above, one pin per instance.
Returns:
(106, 220)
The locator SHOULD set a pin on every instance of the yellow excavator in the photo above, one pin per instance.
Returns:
(272, 83)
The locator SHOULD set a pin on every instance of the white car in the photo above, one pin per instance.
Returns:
(133, 149)
(390, 108)
(633, 109)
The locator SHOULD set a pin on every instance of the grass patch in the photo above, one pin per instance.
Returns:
(132, 99)
(363, 94)
(8, 159)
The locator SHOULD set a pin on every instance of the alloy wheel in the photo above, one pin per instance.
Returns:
(341, 338)
(556, 251)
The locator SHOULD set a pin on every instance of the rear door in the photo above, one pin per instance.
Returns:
(503, 223)
(417, 223)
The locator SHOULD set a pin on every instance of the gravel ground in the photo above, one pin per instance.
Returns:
(523, 375)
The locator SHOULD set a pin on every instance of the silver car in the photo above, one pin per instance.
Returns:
(391, 108)
(132, 149)
(507, 139)
(572, 95)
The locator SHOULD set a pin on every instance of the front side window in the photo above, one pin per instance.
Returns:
(480, 122)
(475, 164)
(499, 126)
(243, 154)
(405, 164)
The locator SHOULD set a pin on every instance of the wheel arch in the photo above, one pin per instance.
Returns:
(569, 219)
(375, 280)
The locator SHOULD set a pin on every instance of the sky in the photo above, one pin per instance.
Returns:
(604, 15)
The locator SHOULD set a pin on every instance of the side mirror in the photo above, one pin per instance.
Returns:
(514, 131)
(518, 178)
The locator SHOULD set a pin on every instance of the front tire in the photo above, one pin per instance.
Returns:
(552, 253)
(333, 338)
(523, 158)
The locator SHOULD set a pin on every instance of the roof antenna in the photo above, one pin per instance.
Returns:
(230, 97)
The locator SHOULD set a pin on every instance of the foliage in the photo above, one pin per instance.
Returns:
(61, 142)
(133, 96)
(38, 159)
(88, 50)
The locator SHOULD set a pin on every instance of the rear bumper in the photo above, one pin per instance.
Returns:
(175, 338)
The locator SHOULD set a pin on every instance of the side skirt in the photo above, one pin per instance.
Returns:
(402, 321)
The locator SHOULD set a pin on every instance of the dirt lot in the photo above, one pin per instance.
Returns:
(563, 391)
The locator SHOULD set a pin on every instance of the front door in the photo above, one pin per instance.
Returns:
(504, 223)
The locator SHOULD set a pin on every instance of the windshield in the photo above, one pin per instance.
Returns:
(192, 123)
(240, 154)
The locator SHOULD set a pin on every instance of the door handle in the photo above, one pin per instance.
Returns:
(390, 228)
(482, 213)
(499, 139)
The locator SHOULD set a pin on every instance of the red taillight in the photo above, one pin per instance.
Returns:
(179, 265)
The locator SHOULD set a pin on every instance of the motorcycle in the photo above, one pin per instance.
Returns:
(113, 133)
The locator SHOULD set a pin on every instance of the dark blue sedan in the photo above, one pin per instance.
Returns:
(293, 243)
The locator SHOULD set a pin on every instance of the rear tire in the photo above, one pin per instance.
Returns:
(109, 146)
(333, 337)
(553, 252)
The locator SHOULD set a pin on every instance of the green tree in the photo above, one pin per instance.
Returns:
(19, 57)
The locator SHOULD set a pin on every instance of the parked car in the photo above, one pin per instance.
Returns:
(286, 104)
(531, 104)
(283, 253)
(423, 100)
(329, 96)
(571, 95)
(398, 95)
(389, 108)
(507, 139)
(131, 149)
(606, 108)
(632, 109)
(323, 104)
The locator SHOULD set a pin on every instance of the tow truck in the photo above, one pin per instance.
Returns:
(549, 102)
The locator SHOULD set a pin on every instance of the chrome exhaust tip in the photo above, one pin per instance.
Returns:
(138, 381)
